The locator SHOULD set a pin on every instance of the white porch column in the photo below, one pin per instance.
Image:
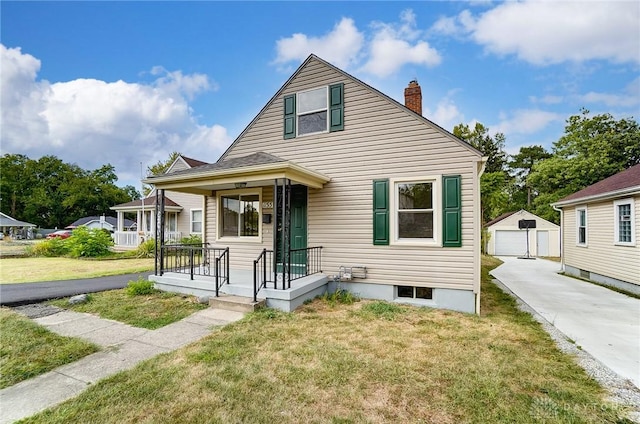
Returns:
(120, 220)
(140, 221)
(153, 220)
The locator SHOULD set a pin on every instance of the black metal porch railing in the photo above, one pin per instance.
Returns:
(196, 259)
(262, 272)
(303, 262)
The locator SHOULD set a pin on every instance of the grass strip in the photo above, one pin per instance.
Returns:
(146, 311)
(33, 270)
(28, 349)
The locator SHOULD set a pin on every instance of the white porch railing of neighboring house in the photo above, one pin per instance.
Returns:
(135, 238)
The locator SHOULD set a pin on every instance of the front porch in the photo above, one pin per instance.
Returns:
(241, 284)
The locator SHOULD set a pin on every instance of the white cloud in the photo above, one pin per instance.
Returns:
(388, 47)
(92, 122)
(630, 96)
(394, 45)
(341, 46)
(525, 121)
(446, 114)
(548, 99)
(554, 32)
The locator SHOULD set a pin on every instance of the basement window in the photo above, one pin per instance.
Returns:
(411, 292)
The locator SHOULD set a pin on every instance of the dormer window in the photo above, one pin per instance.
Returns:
(318, 110)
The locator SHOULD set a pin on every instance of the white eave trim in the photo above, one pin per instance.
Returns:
(602, 196)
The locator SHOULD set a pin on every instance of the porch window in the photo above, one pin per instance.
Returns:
(581, 226)
(172, 219)
(624, 222)
(196, 221)
(240, 215)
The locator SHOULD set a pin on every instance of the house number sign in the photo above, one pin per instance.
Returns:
(267, 205)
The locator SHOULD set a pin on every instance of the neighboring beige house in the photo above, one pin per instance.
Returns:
(601, 231)
(349, 188)
(506, 238)
(183, 213)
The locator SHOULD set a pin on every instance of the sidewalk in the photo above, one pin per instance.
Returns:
(123, 346)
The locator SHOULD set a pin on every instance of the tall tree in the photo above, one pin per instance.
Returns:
(494, 183)
(521, 165)
(591, 149)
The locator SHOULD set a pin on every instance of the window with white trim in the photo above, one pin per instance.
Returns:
(196, 221)
(415, 211)
(312, 106)
(624, 230)
(581, 226)
(239, 214)
(172, 221)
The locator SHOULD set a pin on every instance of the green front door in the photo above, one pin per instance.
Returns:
(297, 231)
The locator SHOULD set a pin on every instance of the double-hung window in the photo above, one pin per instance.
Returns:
(196, 221)
(415, 212)
(581, 226)
(239, 213)
(624, 222)
(312, 111)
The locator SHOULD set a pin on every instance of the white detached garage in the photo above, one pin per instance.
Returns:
(507, 239)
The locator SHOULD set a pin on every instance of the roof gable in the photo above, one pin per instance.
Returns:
(627, 179)
(392, 103)
(512, 218)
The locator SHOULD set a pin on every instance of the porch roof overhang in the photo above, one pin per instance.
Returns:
(207, 180)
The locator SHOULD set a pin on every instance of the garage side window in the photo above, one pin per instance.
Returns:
(581, 226)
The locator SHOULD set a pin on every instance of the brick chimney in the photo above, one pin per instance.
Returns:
(413, 97)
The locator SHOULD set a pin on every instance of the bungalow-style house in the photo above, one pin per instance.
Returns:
(183, 213)
(334, 185)
(601, 231)
(14, 228)
(109, 223)
(508, 235)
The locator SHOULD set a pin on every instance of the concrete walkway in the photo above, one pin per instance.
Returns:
(604, 323)
(123, 346)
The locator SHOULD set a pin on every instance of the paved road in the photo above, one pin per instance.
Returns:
(604, 323)
(18, 294)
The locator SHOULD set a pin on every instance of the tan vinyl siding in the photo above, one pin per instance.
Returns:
(380, 140)
(188, 202)
(601, 255)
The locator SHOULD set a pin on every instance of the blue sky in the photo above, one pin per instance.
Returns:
(129, 82)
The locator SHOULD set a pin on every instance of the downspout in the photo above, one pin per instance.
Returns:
(477, 224)
(561, 236)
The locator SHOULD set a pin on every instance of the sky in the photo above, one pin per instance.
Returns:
(127, 83)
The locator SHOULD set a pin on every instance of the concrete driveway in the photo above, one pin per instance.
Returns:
(604, 323)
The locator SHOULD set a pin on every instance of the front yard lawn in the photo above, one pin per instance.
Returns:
(31, 270)
(28, 349)
(147, 311)
(365, 362)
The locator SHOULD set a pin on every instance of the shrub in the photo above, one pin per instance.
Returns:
(191, 239)
(89, 243)
(140, 287)
(49, 248)
(146, 249)
(342, 296)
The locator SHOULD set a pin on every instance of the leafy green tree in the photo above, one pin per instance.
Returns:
(495, 182)
(591, 149)
(159, 168)
(521, 165)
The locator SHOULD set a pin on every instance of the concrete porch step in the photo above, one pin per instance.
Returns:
(236, 303)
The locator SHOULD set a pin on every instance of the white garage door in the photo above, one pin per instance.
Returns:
(511, 243)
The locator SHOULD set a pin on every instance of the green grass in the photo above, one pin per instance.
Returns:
(149, 311)
(353, 363)
(28, 350)
(32, 270)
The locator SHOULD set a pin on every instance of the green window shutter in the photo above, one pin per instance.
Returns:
(290, 116)
(336, 107)
(381, 212)
(451, 211)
